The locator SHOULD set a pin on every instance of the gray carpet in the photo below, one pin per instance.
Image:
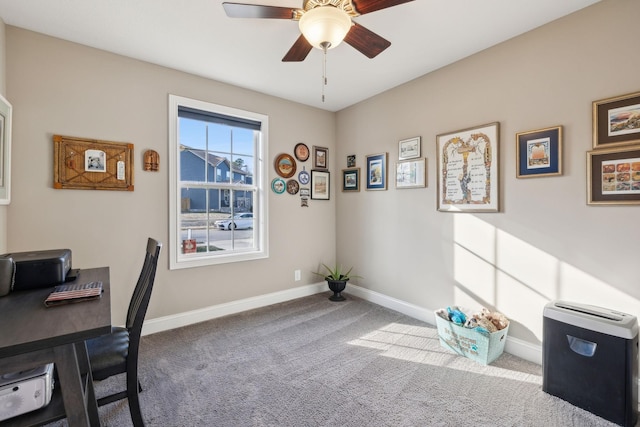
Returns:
(313, 362)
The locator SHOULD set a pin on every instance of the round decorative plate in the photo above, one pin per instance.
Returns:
(278, 186)
(303, 177)
(301, 151)
(285, 165)
(292, 186)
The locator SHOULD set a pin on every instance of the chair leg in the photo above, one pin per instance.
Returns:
(133, 388)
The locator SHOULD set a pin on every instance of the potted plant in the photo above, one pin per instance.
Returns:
(337, 279)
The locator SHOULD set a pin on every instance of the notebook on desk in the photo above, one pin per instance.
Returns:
(64, 294)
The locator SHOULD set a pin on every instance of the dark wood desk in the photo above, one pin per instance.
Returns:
(33, 335)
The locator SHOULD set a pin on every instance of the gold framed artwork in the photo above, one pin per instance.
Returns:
(468, 169)
(91, 164)
(616, 121)
(539, 153)
(613, 176)
(411, 173)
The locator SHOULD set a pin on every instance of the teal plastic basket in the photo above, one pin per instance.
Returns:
(484, 348)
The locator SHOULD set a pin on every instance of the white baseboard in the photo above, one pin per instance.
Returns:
(166, 323)
(514, 346)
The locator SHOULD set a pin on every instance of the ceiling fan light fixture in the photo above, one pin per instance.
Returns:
(325, 26)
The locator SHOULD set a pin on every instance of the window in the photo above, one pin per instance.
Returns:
(217, 198)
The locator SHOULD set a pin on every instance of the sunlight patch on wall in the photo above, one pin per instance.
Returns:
(495, 269)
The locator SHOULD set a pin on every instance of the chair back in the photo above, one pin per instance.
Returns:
(142, 292)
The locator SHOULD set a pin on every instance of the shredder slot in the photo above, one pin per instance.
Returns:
(582, 347)
(595, 313)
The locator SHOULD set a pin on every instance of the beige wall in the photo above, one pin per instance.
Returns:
(63, 88)
(546, 243)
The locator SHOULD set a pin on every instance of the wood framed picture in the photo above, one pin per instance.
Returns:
(320, 157)
(613, 176)
(320, 184)
(5, 151)
(539, 153)
(411, 173)
(91, 164)
(616, 121)
(351, 179)
(377, 171)
(468, 169)
(409, 148)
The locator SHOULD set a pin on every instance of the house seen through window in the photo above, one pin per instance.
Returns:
(218, 211)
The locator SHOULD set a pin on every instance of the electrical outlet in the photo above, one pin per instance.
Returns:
(296, 275)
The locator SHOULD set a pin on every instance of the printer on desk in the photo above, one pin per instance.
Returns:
(35, 269)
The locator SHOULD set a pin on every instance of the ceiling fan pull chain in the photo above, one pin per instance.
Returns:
(324, 67)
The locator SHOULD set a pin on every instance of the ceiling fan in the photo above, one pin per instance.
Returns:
(323, 24)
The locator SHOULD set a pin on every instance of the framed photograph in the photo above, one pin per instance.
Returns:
(320, 157)
(5, 151)
(320, 184)
(351, 179)
(409, 148)
(539, 153)
(285, 165)
(351, 161)
(613, 176)
(301, 152)
(616, 121)
(468, 169)
(377, 171)
(411, 173)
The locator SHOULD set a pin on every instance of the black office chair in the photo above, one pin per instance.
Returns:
(117, 352)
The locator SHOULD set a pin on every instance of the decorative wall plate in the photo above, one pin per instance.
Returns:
(304, 177)
(278, 186)
(301, 151)
(285, 165)
(292, 186)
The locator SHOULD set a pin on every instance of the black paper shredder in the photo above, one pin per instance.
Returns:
(590, 359)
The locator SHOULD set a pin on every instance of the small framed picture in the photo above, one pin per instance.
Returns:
(613, 176)
(351, 161)
(616, 121)
(320, 157)
(351, 179)
(95, 161)
(377, 171)
(411, 173)
(320, 184)
(409, 148)
(539, 153)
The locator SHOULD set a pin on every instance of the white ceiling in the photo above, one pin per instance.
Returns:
(196, 36)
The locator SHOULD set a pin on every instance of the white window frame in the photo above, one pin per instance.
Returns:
(177, 260)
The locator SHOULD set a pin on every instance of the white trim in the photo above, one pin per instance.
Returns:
(166, 323)
(176, 259)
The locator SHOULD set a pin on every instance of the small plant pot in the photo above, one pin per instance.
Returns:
(337, 286)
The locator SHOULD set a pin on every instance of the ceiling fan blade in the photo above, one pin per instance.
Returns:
(240, 10)
(366, 41)
(298, 51)
(368, 6)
